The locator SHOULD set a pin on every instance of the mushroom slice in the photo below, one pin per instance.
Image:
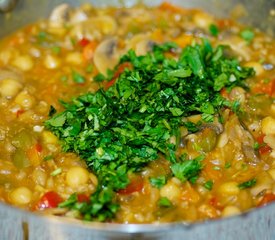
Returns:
(59, 16)
(141, 44)
(106, 55)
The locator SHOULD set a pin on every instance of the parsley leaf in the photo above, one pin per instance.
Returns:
(164, 202)
(247, 184)
(247, 35)
(158, 182)
(188, 169)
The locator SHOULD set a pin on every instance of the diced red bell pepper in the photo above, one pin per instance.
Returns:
(264, 148)
(49, 200)
(83, 198)
(84, 42)
(136, 185)
(268, 197)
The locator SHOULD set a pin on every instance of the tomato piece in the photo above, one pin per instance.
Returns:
(83, 42)
(88, 50)
(265, 87)
(224, 93)
(268, 197)
(49, 200)
(264, 148)
(83, 198)
(19, 112)
(34, 154)
(38, 147)
(136, 185)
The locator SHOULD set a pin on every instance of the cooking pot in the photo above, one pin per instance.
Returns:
(256, 224)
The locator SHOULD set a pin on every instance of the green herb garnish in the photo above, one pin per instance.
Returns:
(209, 185)
(120, 130)
(247, 184)
(77, 78)
(247, 35)
(214, 30)
(164, 202)
(158, 182)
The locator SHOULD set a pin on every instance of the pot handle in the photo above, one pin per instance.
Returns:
(7, 5)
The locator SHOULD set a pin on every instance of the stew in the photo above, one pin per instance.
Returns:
(137, 115)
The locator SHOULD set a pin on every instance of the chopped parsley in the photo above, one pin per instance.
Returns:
(247, 184)
(56, 172)
(209, 185)
(214, 30)
(77, 77)
(188, 169)
(158, 182)
(248, 35)
(120, 130)
(164, 202)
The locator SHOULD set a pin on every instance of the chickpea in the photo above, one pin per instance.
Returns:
(49, 138)
(268, 125)
(23, 62)
(230, 211)
(77, 176)
(229, 188)
(9, 87)
(171, 191)
(25, 100)
(74, 58)
(203, 20)
(51, 62)
(21, 196)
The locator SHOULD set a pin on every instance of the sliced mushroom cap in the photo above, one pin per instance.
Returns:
(141, 43)
(59, 16)
(106, 55)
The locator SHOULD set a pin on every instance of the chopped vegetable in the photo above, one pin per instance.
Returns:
(214, 30)
(158, 182)
(164, 202)
(209, 185)
(247, 184)
(247, 35)
(78, 78)
(49, 200)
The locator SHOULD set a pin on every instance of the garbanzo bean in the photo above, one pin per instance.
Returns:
(24, 63)
(268, 125)
(21, 196)
(77, 176)
(229, 188)
(51, 62)
(25, 100)
(171, 191)
(9, 87)
(230, 211)
(74, 58)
